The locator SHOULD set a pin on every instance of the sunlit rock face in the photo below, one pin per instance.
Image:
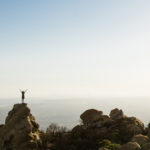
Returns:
(20, 131)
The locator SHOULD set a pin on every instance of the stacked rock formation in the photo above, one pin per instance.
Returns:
(115, 131)
(20, 131)
(117, 127)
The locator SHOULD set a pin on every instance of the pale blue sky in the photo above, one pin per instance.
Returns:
(75, 48)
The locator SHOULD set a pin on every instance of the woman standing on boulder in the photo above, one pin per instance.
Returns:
(23, 95)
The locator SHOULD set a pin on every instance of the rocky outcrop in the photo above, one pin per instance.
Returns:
(140, 139)
(20, 131)
(117, 128)
(90, 116)
(130, 126)
(131, 146)
(97, 132)
(95, 118)
(116, 114)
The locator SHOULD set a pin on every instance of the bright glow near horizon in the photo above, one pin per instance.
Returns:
(89, 48)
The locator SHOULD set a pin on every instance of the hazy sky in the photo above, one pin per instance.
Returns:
(75, 48)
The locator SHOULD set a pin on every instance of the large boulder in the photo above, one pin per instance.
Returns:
(78, 130)
(131, 146)
(140, 139)
(128, 127)
(116, 114)
(134, 125)
(20, 131)
(90, 116)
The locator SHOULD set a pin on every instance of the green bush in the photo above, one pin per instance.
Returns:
(113, 146)
(104, 143)
(109, 145)
(115, 136)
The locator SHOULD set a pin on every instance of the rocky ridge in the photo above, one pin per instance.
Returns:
(115, 129)
(97, 131)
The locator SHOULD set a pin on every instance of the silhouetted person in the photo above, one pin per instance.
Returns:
(23, 95)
